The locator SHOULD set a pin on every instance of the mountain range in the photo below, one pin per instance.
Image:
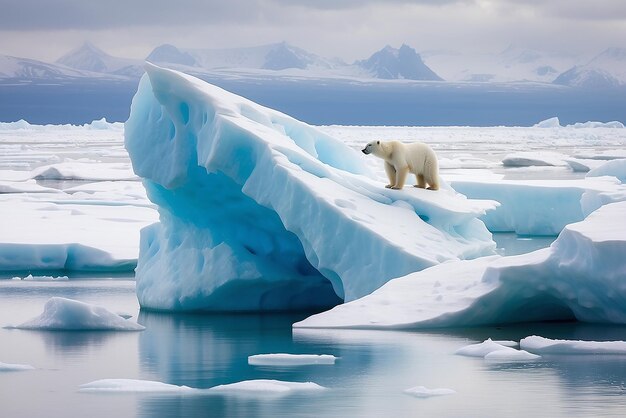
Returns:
(606, 70)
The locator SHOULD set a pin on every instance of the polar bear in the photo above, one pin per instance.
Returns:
(418, 158)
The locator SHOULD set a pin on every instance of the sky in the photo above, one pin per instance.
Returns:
(347, 29)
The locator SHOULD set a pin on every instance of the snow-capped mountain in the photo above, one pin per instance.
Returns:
(24, 68)
(88, 57)
(606, 70)
(276, 57)
(392, 63)
(512, 64)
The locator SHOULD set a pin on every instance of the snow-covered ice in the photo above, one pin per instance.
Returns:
(482, 349)
(259, 387)
(526, 159)
(615, 168)
(62, 314)
(540, 207)
(579, 277)
(266, 387)
(12, 367)
(56, 210)
(280, 359)
(133, 386)
(249, 200)
(541, 345)
(424, 392)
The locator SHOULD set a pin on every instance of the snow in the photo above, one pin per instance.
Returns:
(424, 392)
(578, 277)
(249, 199)
(511, 355)
(290, 359)
(9, 367)
(62, 314)
(133, 386)
(543, 345)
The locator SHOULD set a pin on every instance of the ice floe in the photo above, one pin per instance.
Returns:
(280, 359)
(62, 314)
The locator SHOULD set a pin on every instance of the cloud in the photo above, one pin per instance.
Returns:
(81, 14)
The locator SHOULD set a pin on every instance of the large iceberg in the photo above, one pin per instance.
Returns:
(259, 211)
(580, 276)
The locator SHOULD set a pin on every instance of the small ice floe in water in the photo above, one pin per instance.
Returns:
(246, 387)
(492, 350)
(266, 387)
(8, 367)
(290, 359)
(133, 386)
(61, 314)
(30, 277)
(424, 392)
(543, 345)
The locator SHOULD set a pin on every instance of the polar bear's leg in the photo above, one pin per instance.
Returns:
(391, 174)
(421, 183)
(433, 182)
(400, 178)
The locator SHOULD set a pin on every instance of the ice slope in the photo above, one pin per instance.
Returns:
(259, 211)
(580, 276)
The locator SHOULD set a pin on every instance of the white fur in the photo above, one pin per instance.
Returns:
(400, 159)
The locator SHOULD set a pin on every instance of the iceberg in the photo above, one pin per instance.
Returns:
(61, 314)
(543, 345)
(580, 276)
(134, 386)
(259, 211)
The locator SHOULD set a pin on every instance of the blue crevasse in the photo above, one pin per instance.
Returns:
(259, 211)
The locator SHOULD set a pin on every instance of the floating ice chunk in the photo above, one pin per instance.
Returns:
(561, 202)
(548, 123)
(8, 367)
(511, 355)
(266, 387)
(579, 277)
(615, 168)
(61, 314)
(133, 386)
(482, 349)
(583, 165)
(290, 359)
(424, 392)
(30, 277)
(70, 236)
(535, 158)
(543, 345)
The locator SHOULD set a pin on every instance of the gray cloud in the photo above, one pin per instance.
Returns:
(81, 14)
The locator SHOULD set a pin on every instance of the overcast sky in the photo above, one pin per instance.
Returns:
(348, 29)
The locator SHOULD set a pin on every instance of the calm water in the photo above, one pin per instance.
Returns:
(367, 381)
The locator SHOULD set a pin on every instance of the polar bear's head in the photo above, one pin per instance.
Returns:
(372, 148)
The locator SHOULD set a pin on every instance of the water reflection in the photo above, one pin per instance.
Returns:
(373, 369)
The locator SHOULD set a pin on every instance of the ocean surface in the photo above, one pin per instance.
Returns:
(327, 101)
(368, 379)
